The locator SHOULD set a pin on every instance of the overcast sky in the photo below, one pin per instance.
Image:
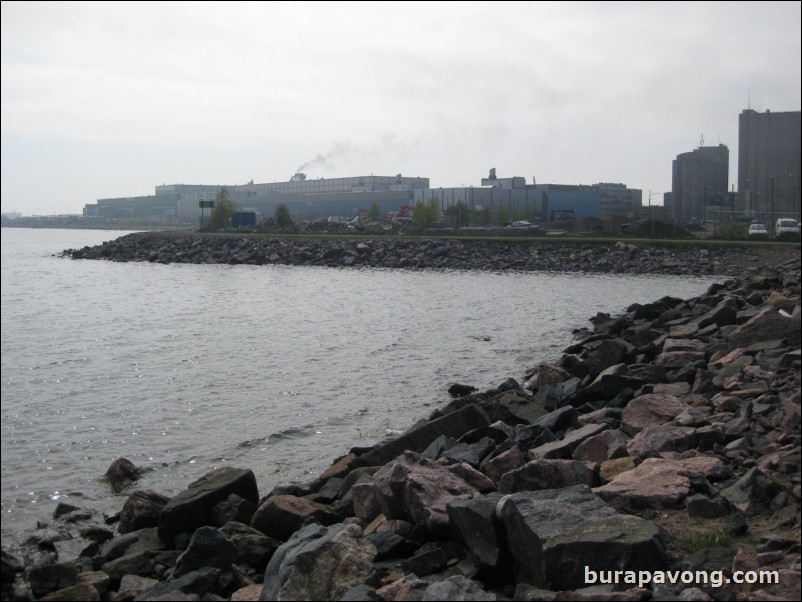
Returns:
(111, 99)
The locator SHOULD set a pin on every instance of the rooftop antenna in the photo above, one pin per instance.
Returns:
(701, 141)
(749, 99)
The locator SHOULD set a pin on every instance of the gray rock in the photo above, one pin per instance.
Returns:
(565, 446)
(141, 510)
(192, 508)
(531, 519)
(254, 547)
(474, 523)
(456, 588)
(207, 548)
(197, 582)
(608, 445)
(45, 579)
(414, 487)
(233, 508)
(453, 425)
(319, 563)
(614, 543)
(547, 474)
(121, 474)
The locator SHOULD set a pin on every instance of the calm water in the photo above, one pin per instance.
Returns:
(184, 368)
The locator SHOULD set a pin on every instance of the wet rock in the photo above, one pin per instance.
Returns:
(233, 508)
(207, 548)
(142, 509)
(48, 578)
(453, 425)
(192, 508)
(254, 548)
(121, 474)
(198, 582)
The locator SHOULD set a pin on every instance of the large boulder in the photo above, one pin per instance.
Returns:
(454, 425)
(122, 473)
(649, 409)
(547, 474)
(474, 523)
(142, 509)
(565, 446)
(207, 548)
(617, 543)
(319, 563)
(605, 446)
(531, 519)
(281, 515)
(415, 487)
(192, 508)
(659, 483)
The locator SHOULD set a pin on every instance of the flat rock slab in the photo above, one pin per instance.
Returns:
(531, 519)
(649, 409)
(565, 446)
(658, 482)
(192, 508)
(610, 544)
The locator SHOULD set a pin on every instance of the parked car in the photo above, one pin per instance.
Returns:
(758, 232)
(786, 228)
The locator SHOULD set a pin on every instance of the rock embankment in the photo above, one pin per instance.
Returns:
(399, 252)
(666, 439)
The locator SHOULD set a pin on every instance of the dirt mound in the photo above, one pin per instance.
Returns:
(660, 230)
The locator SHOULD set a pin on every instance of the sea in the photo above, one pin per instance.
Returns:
(185, 368)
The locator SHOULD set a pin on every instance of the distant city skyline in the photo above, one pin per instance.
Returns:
(103, 100)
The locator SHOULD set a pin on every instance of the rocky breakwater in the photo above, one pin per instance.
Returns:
(440, 253)
(664, 444)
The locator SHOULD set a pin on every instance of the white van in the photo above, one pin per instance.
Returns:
(786, 228)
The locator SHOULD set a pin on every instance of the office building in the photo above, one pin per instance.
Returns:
(769, 164)
(699, 182)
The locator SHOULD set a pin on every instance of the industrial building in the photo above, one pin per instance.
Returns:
(305, 199)
(347, 197)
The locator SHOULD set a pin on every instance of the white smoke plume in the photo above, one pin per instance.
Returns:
(351, 153)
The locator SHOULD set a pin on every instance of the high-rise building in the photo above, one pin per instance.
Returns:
(699, 183)
(769, 163)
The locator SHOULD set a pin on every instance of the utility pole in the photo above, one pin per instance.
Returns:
(771, 217)
(651, 213)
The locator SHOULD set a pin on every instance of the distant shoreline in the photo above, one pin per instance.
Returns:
(613, 256)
